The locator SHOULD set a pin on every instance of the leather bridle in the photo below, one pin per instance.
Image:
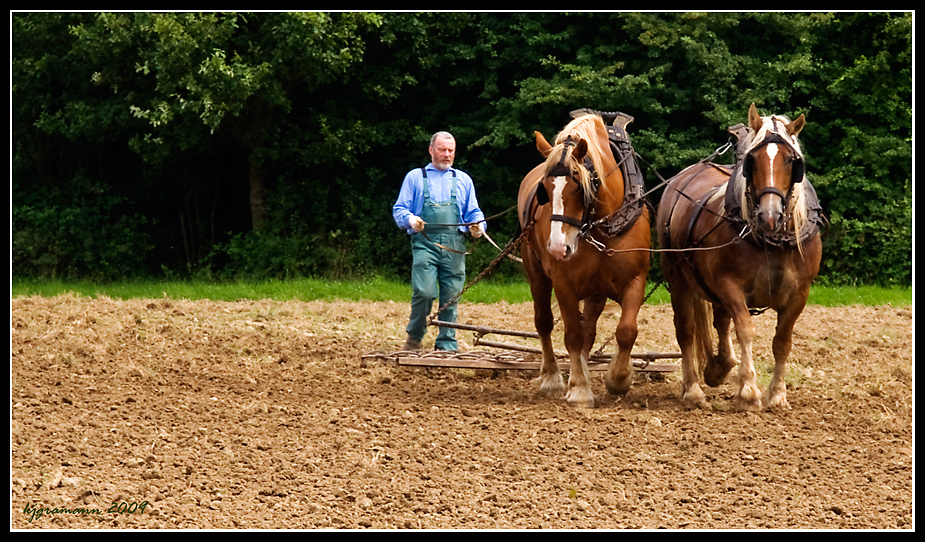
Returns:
(797, 167)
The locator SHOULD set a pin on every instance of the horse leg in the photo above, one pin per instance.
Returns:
(619, 375)
(591, 312)
(719, 366)
(776, 394)
(579, 380)
(687, 309)
(748, 397)
(550, 380)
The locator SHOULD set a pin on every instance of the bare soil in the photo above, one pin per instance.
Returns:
(262, 415)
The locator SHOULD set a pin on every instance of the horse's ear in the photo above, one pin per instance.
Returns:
(754, 119)
(580, 150)
(542, 145)
(797, 125)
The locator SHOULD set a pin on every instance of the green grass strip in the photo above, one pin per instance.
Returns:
(380, 289)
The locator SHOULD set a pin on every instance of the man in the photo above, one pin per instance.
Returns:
(433, 203)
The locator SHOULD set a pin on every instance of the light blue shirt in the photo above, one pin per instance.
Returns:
(410, 200)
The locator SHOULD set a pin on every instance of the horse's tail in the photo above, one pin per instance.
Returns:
(703, 333)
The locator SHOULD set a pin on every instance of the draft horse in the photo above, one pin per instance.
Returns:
(740, 238)
(582, 220)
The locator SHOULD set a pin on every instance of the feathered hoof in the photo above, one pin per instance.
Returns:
(748, 399)
(695, 398)
(580, 397)
(776, 401)
(549, 385)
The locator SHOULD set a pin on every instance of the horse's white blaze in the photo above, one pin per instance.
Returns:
(558, 233)
(772, 153)
(771, 207)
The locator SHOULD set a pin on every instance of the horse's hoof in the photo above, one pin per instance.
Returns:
(696, 399)
(777, 402)
(700, 405)
(580, 398)
(549, 386)
(743, 404)
(748, 399)
(619, 387)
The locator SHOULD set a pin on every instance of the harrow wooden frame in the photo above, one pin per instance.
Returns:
(516, 357)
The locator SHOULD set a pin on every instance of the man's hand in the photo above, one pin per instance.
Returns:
(475, 230)
(417, 224)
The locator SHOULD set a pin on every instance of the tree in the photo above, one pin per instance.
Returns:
(273, 144)
(238, 73)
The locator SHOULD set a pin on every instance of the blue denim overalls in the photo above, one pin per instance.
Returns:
(436, 270)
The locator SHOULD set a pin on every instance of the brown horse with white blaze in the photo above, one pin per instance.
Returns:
(563, 205)
(738, 239)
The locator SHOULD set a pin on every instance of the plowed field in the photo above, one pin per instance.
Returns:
(261, 415)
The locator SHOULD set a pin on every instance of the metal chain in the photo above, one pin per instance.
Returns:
(511, 246)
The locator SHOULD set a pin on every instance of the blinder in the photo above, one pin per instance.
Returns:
(558, 170)
(541, 195)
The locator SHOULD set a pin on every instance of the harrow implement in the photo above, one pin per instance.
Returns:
(513, 357)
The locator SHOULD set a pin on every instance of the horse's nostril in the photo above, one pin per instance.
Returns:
(770, 219)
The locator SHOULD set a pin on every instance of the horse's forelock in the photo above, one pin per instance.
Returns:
(564, 152)
(584, 128)
(767, 125)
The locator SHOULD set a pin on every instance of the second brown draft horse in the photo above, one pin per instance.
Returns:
(582, 228)
(737, 239)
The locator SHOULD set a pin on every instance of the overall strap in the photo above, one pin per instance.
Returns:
(424, 171)
(427, 191)
(442, 218)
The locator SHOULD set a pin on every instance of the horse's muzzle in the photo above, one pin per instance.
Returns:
(771, 211)
(561, 252)
(562, 242)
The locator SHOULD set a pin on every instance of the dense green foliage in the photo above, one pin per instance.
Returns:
(272, 145)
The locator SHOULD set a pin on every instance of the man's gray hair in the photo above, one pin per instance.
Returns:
(440, 135)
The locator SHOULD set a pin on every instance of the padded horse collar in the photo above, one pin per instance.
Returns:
(633, 183)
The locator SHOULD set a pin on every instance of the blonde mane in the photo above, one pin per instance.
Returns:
(584, 127)
(796, 208)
